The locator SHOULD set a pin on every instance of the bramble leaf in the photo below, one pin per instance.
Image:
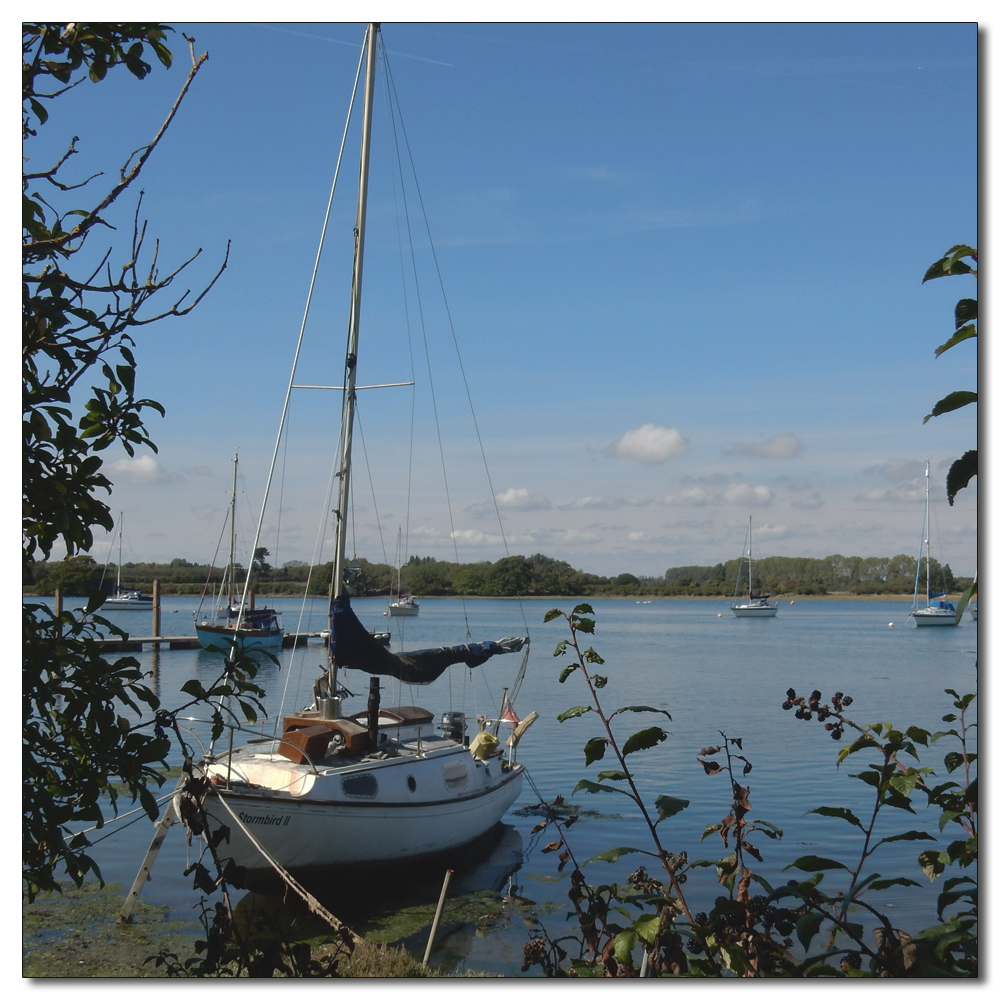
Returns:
(643, 740)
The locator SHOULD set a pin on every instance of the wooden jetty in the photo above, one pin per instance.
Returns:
(135, 643)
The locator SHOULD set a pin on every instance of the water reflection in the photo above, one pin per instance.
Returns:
(397, 906)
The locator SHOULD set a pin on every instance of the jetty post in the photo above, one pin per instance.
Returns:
(156, 612)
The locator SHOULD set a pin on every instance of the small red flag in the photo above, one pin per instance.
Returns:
(508, 714)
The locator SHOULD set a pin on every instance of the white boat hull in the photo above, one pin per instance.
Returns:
(754, 610)
(422, 806)
(403, 610)
(127, 605)
(933, 616)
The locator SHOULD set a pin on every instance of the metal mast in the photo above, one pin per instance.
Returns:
(350, 364)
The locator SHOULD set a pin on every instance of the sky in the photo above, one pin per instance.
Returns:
(682, 263)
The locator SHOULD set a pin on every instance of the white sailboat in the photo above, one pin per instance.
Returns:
(124, 598)
(334, 792)
(753, 605)
(404, 606)
(934, 612)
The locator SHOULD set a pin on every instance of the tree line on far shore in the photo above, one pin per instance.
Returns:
(513, 576)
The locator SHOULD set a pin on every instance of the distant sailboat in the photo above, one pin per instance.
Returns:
(124, 598)
(934, 612)
(404, 606)
(247, 626)
(754, 605)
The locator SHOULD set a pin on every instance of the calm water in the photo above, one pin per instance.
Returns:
(710, 673)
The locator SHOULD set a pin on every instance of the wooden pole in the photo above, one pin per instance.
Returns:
(58, 599)
(156, 611)
(437, 916)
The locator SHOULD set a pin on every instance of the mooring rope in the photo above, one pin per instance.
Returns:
(315, 906)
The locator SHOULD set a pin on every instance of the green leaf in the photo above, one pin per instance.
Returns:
(909, 835)
(965, 333)
(966, 311)
(953, 401)
(837, 813)
(583, 609)
(643, 740)
(574, 713)
(552, 613)
(583, 785)
(668, 805)
(595, 749)
(640, 708)
(807, 926)
(612, 776)
(961, 474)
(624, 943)
(951, 263)
(812, 863)
(888, 883)
(194, 688)
(613, 854)
(568, 670)
(646, 926)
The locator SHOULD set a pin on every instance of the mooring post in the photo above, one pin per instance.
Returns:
(437, 915)
(156, 611)
(58, 599)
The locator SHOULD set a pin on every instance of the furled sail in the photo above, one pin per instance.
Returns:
(353, 646)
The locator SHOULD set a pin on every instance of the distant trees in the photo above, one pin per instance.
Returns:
(513, 576)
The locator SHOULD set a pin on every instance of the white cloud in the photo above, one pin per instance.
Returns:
(896, 469)
(778, 446)
(808, 503)
(694, 496)
(521, 499)
(746, 495)
(800, 486)
(769, 532)
(912, 495)
(144, 470)
(649, 443)
(603, 503)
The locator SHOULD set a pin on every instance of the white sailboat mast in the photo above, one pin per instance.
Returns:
(350, 364)
(927, 525)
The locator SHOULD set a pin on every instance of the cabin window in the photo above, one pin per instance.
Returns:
(411, 783)
(359, 786)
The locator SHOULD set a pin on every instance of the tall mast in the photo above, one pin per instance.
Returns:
(750, 560)
(121, 524)
(232, 534)
(351, 361)
(927, 526)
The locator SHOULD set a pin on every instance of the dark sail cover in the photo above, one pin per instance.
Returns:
(353, 646)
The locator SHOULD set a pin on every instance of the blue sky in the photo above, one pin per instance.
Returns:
(683, 263)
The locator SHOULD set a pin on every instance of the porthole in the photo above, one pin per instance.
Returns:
(411, 783)
(359, 786)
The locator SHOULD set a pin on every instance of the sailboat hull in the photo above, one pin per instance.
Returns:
(754, 610)
(933, 616)
(412, 809)
(219, 638)
(403, 610)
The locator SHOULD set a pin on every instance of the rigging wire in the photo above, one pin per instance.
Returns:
(305, 314)
(454, 335)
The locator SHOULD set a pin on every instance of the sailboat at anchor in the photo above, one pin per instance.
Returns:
(335, 791)
(753, 605)
(934, 612)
